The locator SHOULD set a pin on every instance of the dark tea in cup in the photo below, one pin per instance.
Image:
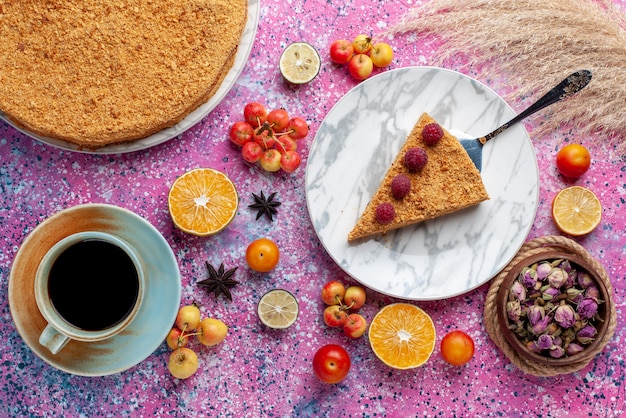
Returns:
(93, 284)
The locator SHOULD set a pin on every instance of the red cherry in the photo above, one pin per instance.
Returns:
(241, 132)
(251, 152)
(278, 119)
(285, 143)
(255, 114)
(297, 128)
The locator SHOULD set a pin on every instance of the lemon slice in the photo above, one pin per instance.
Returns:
(402, 336)
(576, 210)
(203, 201)
(278, 309)
(300, 63)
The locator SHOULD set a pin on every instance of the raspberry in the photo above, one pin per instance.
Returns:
(400, 186)
(432, 133)
(385, 213)
(415, 159)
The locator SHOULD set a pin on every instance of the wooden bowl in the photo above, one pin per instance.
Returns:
(604, 310)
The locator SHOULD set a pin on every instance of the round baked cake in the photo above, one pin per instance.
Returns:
(99, 72)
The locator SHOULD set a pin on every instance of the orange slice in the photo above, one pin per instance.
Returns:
(203, 201)
(576, 210)
(402, 336)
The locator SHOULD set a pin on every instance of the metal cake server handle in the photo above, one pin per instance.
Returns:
(566, 88)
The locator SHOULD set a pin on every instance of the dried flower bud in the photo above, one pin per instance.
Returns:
(580, 324)
(528, 278)
(587, 308)
(573, 294)
(553, 329)
(565, 316)
(592, 292)
(556, 351)
(549, 293)
(571, 280)
(568, 334)
(557, 277)
(544, 342)
(541, 326)
(518, 291)
(543, 269)
(565, 265)
(572, 274)
(587, 334)
(535, 314)
(514, 310)
(556, 263)
(519, 329)
(584, 279)
(574, 348)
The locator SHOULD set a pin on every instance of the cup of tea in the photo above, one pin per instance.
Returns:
(89, 287)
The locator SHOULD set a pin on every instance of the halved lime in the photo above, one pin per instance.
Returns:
(278, 309)
(300, 63)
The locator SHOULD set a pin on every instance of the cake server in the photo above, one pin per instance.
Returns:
(566, 88)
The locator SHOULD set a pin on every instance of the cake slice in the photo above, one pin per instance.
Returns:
(436, 178)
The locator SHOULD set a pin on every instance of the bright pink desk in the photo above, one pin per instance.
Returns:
(256, 372)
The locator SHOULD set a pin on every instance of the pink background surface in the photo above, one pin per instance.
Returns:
(257, 372)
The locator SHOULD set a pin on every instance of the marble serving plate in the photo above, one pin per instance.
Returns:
(152, 322)
(357, 142)
(243, 52)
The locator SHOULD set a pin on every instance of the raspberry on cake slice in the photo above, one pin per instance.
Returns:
(431, 176)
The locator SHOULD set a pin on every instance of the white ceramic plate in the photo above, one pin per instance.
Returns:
(243, 51)
(357, 142)
(156, 314)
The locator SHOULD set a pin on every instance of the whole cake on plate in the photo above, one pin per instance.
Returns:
(96, 73)
(431, 176)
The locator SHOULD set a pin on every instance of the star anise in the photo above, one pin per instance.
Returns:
(219, 281)
(265, 206)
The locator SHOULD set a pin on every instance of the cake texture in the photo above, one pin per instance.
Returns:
(96, 73)
(442, 177)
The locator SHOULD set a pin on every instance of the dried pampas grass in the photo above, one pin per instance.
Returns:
(534, 44)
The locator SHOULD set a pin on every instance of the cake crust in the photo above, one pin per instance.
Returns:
(96, 73)
(449, 182)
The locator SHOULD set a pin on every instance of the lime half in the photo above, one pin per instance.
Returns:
(278, 309)
(300, 63)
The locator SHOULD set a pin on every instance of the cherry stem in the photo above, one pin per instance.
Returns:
(284, 133)
(343, 306)
(265, 127)
(179, 341)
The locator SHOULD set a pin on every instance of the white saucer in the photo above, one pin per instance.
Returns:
(154, 319)
(356, 143)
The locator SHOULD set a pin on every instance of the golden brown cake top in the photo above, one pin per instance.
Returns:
(447, 183)
(100, 72)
